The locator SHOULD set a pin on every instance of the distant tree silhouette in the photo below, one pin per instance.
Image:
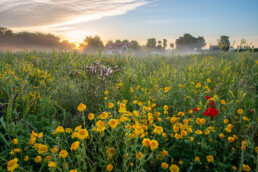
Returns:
(165, 44)
(134, 45)
(93, 44)
(172, 45)
(151, 43)
(118, 41)
(189, 43)
(125, 41)
(32, 40)
(224, 43)
(159, 47)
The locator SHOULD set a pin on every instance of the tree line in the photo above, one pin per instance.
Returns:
(32, 40)
(187, 42)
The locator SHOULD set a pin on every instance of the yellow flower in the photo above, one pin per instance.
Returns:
(210, 158)
(240, 111)
(109, 167)
(174, 168)
(48, 158)
(165, 107)
(191, 139)
(209, 80)
(226, 121)
(63, 154)
(54, 150)
(221, 136)
(180, 162)
(12, 164)
(17, 150)
(138, 130)
(223, 101)
(234, 168)
(197, 159)
(100, 126)
(113, 123)
(198, 132)
(106, 92)
(180, 113)
(75, 145)
(83, 134)
(78, 128)
(110, 105)
(73, 171)
(256, 149)
(68, 130)
(81, 107)
(38, 159)
(231, 139)
(15, 141)
(52, 164)
(158, 130)
(164, 165)
(154, 144)
(139, 156)
(104, 115)
(42, 149)
(91, 116)
(202, 121)
(74, 135)
(60, 129)
(164, 153)
(26, 158)
(146, 142)
(198, 85)
(140, 103)
(246, 168)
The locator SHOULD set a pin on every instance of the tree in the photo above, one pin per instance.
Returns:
(151, 43)
(200, 42)
(164, 44)
(118, 41)
(159, 47)
(224, 43)
(134, 45)
(125, 41)
(110, 41)
(93, 44)
(189, 43)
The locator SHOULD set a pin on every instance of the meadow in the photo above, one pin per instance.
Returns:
(65, 111)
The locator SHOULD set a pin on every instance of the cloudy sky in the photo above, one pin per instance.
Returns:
(134, 19)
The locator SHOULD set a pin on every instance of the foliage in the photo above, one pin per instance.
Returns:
(93, 44)
(151, 43)
(188, 42)
(32, 40)
(224, 43)
(155, 113)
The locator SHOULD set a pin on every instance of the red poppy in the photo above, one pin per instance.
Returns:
(211, 112)
(212, 103)
(252, 111)
(207, 97)
(195, 109)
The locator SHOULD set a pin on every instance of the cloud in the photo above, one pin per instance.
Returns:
(55, 13)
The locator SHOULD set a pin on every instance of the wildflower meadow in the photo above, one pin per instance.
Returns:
(64, 111)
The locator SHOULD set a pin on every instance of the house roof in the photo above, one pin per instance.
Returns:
(115, 46)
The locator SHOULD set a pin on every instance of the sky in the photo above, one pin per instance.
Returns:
(135, 19)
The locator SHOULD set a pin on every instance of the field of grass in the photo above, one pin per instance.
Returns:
(70, 112)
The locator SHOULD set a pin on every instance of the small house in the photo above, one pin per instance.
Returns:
(116, 48)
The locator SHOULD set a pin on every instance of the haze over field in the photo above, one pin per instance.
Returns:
(134, 19)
